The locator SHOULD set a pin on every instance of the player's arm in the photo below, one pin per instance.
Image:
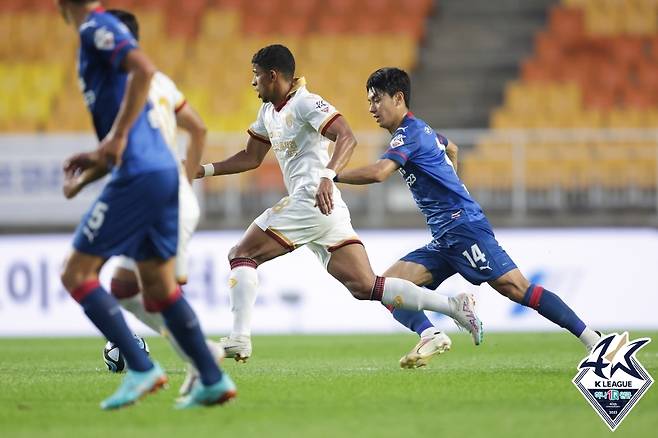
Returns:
(140, 71)
(189, 120)
(341, 134)
(452, 151)
(249, 158)
(338, 131)
(373, 173)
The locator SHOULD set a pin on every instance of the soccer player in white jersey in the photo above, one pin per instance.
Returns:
(298, 126)
(170, 110)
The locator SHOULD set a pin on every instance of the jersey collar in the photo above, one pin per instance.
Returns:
(297, 83)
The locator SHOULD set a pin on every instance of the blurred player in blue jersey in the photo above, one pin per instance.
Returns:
(171, 111)
(463, 241)
(137, 212)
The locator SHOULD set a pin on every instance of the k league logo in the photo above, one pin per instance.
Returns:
(611, 378)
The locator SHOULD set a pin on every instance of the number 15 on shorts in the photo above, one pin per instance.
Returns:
(95, 221)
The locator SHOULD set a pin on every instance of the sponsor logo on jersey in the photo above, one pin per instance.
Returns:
(428, 130)
(611, 378)
(398, 140)
(104, 39)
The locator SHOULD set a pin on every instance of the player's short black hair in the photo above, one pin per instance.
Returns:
(128, 19)
(390, 80)
(276, 57)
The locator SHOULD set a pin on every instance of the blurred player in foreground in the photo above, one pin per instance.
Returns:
(170, 110)
(137, 211)
(299, 126)
(463, 241)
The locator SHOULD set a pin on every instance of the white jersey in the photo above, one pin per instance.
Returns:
(295, 131)
(166, 100)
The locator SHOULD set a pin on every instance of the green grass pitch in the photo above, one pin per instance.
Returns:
(324, 386)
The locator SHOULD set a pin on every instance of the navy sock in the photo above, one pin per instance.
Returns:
(414, 320)
(184, 325)
(551, 307)
(104, 311)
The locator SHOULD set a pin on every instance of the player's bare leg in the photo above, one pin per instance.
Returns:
(255, 247)
(517, 288)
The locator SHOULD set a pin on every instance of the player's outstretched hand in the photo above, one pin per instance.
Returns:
(324, 197)
(77, 163)
(71, 185)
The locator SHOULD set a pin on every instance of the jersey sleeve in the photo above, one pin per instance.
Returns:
(257, 129)
(109, 38)
(178, 98)
(319, 113)
(401, 148)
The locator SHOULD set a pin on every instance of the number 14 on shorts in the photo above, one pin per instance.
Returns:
(476, 255)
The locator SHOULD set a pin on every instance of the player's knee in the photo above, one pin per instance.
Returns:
(122, 289)
(73, 278)
(361, 290)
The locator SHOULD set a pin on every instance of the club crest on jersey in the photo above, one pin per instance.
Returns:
(104, 39)
(321, 105)
(611, 378)
(398, 140)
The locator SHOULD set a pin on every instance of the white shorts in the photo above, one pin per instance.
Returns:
(188, 219)
(294, 221)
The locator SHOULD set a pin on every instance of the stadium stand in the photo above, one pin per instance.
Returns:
(206, 47)
(594, 66)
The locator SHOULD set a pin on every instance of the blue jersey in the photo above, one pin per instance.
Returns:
(430, 176)
(104, 43)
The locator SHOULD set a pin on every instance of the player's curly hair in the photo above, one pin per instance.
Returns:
(276, 57)
(390, 80)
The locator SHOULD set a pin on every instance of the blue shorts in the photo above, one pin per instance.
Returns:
(469, 249)
(135, 216)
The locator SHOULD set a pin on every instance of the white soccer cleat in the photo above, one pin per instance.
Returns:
(463, 307)
(238, 347)
(425, 350)
(192, 374)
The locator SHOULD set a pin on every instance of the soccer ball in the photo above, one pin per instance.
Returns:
(113, 357)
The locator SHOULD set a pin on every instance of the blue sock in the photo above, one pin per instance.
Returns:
(184, 325)
(551, 307)
(414, 320)
(104, 311)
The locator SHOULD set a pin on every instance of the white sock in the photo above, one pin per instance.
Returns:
(429, 331)
(404, 294)
(589, 338)
(243, 288)
(154, 321)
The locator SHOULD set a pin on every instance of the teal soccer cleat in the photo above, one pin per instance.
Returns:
(135, 386)
(216, 394)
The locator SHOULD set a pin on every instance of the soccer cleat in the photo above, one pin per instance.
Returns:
(425, 349)
(463, 306)
(136, 385)
(192, 374)
(216, 394)
(237, 347)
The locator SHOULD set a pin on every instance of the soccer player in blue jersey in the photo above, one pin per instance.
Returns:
(462, 239)
(137, 212)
